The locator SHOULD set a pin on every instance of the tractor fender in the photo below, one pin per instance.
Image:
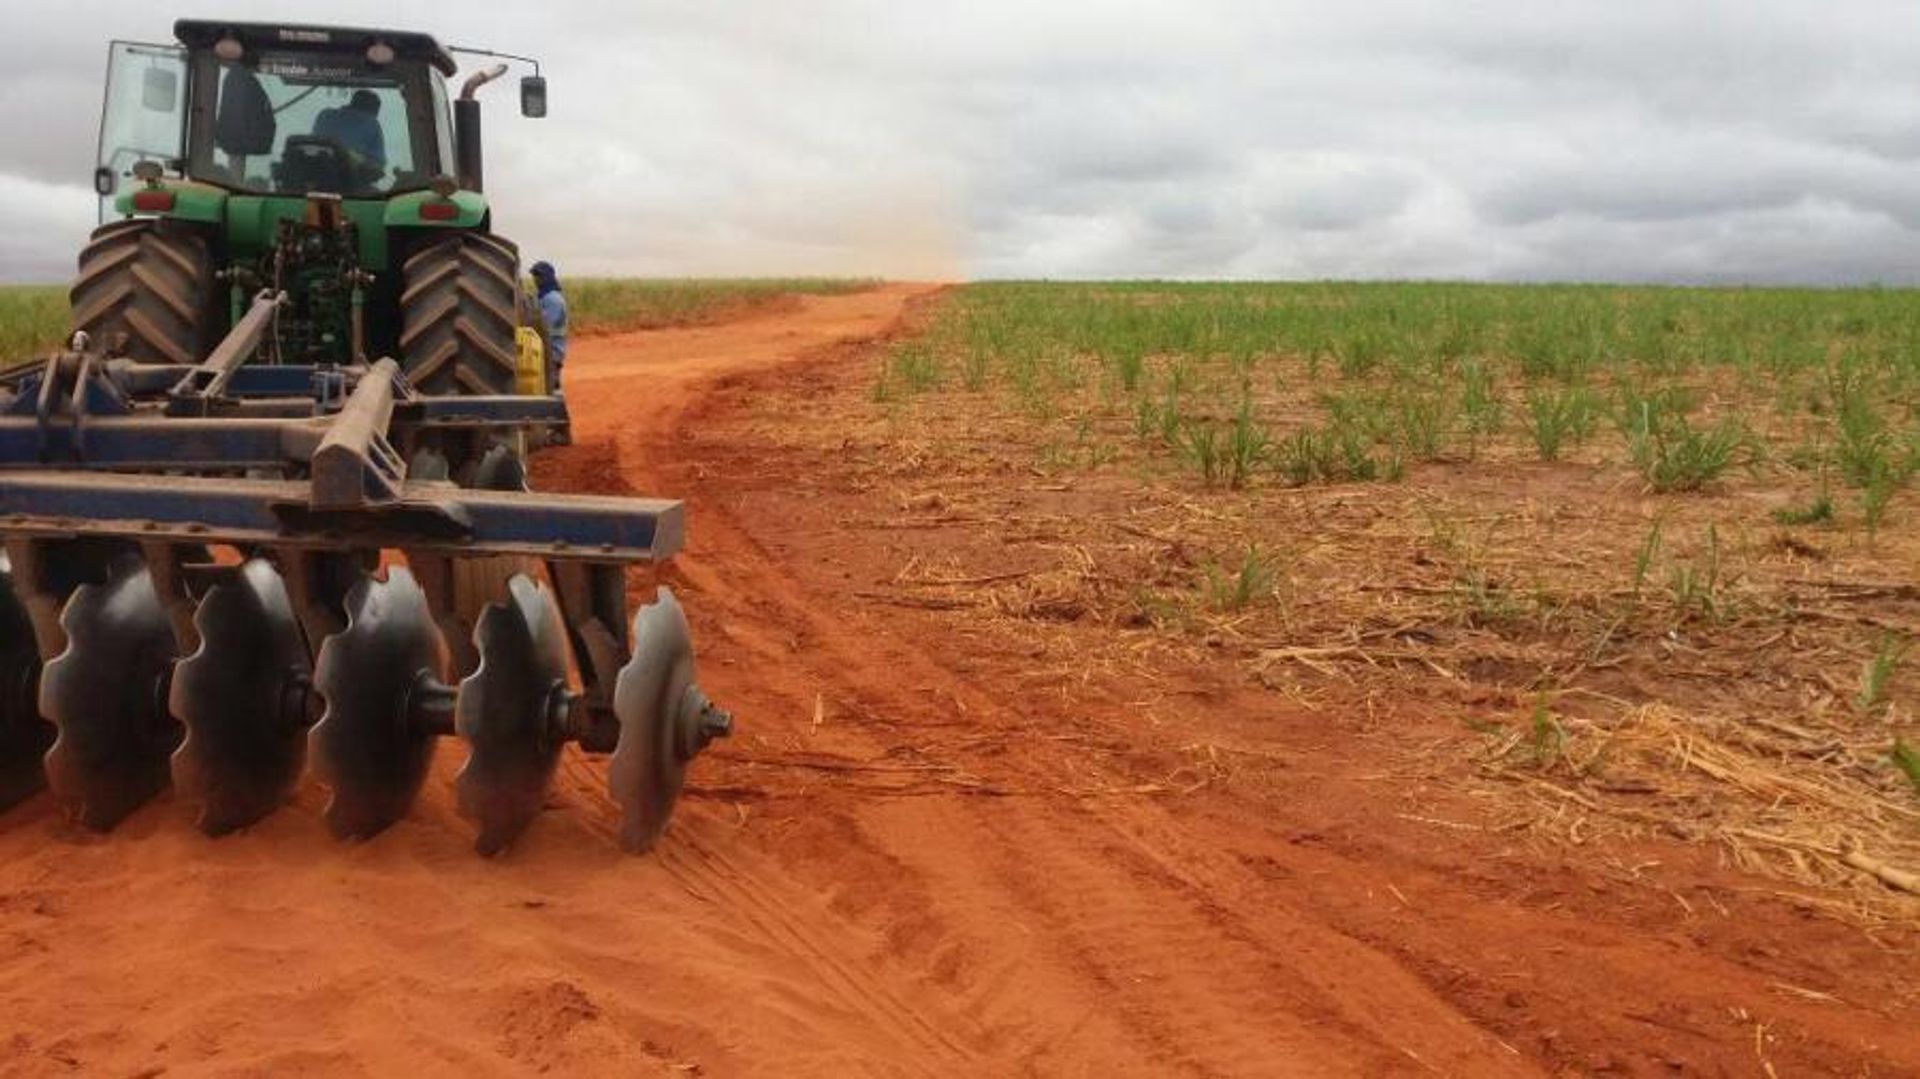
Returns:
(404, 211)
(192, 201)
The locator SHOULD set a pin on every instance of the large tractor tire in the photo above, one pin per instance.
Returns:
(458, 313)
(460, 309)
(146, 290)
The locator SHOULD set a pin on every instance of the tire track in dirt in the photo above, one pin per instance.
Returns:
(1120, 965)
(1300, 995)
(1122, 916)
(762, 900)
(652, 377)
(699, 861)
(1142, 934)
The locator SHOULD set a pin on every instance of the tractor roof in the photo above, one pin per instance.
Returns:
(203, 33)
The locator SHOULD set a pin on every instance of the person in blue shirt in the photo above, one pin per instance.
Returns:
(553, 311)
(356, 127)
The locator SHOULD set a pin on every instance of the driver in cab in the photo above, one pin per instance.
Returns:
(356, 126)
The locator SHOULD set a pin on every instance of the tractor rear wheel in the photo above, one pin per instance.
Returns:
(458, 312)
(145, 291)
(460, 309)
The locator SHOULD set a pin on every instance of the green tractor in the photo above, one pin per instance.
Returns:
(327, 162)
(267, 507)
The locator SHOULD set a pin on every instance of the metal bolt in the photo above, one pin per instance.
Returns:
(715, 722)
(698, 722)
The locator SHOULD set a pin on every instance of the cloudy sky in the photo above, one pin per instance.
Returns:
(1758, 141)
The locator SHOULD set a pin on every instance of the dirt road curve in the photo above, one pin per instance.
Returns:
(911, 861)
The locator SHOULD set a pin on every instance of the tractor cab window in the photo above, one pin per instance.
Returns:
(145, 113)
(443, 122)
(291, 124)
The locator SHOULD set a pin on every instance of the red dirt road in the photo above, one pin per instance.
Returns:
(917, 857)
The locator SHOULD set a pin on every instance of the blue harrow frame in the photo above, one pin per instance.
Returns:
(121, 484)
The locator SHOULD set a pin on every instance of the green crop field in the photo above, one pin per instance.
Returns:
(1291, 384)
(34, 317)
(1652, 539)
(627, 303)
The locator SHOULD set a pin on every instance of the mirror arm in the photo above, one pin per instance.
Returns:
(497, 55)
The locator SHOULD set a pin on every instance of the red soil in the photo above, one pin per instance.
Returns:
(916, 857)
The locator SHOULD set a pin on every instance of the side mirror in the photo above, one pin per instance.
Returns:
(159, 89)
(533, 96)
(103, 181)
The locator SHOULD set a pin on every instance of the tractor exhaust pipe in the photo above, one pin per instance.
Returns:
(469, 161)
(466, 142)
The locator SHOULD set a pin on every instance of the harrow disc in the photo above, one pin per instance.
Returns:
(511, 710)
(106, 695)
(24, 736)
(377, 675)
(242, 698)
(665, 721)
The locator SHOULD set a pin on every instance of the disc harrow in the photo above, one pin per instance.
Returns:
(223, 593)
(24, 736)
(106, 697)
(245, 697)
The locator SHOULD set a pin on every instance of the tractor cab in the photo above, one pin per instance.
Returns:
(359, 123)
(289, 110)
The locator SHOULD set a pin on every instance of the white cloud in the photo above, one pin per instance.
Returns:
(1765, 141)
(42, 227)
